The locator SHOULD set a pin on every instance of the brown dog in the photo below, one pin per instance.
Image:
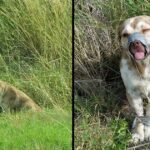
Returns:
(135, 61)
(12, 99)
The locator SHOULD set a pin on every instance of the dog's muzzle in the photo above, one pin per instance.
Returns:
(138, 46)
(137, 36)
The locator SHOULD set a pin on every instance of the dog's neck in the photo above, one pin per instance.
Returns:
(140, 66)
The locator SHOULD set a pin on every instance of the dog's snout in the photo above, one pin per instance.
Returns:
(136, 43)
(136, 39)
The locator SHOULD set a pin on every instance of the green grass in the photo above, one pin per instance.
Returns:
(93, 133)
(36, 49)
(36, 131)
(102, 115)
(35, 57)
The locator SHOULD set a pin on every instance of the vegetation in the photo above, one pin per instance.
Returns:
(102, 114)
(33, 131)
(36, 56)
(36, 48)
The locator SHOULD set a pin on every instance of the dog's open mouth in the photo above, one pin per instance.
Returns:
(138, 50)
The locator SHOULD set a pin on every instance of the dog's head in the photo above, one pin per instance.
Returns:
(134, 37)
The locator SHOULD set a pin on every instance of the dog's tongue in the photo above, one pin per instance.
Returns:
(139, 55)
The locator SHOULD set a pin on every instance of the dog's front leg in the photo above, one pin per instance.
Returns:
(136, 103)
(137, 132)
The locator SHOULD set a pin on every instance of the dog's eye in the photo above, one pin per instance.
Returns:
(145, 30)
(125, 35)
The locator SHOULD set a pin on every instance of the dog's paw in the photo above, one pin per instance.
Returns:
(136, 138)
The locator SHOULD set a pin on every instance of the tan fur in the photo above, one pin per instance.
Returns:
(12, 99)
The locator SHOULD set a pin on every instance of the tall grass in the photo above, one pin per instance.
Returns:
(99, 92)
(35, 56)
(35, 49)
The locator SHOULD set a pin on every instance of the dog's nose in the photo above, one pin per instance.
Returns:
(136, 43)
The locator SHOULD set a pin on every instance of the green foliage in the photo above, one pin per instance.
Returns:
(33, 131)
(101, 132)
(121, 134)
(91, 134)
(36, 49)
(35, 56)
(137, 7)
(36, 28)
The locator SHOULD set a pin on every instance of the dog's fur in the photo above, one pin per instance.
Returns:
(12, 99)
(136, 72)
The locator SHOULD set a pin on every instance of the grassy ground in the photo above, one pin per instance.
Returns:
(50, 129)
(102, 114)
(35, 56)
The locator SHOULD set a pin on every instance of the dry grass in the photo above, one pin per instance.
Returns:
(99, 90)
(96, 43)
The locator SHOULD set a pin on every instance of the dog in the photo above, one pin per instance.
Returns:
(13, 100)
(134, 35)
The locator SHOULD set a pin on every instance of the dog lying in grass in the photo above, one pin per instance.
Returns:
(13, 100)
